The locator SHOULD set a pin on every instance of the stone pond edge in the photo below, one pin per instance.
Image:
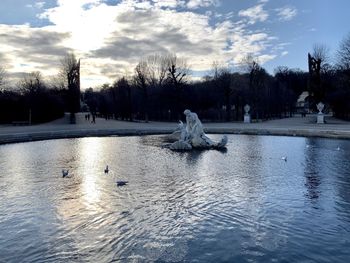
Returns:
(50, 135)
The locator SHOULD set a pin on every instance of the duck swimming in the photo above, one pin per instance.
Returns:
(122, 183)
(64, 173)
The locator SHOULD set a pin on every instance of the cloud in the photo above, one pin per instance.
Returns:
(255, 14)
(168, 3)
(4, 60)
(265, 58)
(38, 5)
(193, 4)
(110, 40)
(30, 49)
(286, 13)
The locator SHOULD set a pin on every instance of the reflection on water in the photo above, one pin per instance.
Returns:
(244, 204)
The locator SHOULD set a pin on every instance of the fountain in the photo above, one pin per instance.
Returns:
(192, 135)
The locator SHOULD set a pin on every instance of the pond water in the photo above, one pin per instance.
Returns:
(245, 204)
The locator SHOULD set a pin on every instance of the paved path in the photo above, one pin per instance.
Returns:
(61, 128)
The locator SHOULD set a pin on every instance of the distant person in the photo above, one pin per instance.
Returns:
(93, 118)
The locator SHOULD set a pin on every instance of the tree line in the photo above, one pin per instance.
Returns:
(160, 89)
(34, 100)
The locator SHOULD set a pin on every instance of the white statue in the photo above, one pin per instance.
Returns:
(246, 109)
(320, 115)
(320, 107)
(192, 135)
(246, 114)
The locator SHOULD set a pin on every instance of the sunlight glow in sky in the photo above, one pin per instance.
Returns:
(111, 36)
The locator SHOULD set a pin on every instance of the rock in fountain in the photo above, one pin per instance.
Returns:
(192, 135)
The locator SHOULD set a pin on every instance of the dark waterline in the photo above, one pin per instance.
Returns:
(245, 204)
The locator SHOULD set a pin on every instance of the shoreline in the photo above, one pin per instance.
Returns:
(61, 129)
(67, 134)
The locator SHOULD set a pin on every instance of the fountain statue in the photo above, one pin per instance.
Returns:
(192, 135)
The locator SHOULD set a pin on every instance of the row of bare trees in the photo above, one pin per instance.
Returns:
(160, 90)
(35, 100)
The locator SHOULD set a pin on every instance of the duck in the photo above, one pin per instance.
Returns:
(64, 173)
(284, 158)
(106, 170)
(122, 183)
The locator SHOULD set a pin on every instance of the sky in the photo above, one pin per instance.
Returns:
(111, 36)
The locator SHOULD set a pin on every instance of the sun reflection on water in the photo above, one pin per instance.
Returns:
(90, 152)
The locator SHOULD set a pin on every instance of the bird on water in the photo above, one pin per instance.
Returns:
(122, 183)
(65, 173)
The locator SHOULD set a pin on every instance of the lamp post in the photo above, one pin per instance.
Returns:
(30, 116)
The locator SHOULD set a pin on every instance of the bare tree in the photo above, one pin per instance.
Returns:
(249, 64)
(32, 83)
(222, 79)
(178, 70)
(343, 54)
(317, 63)
(68, 62)
(320, 53)
(256, 83)
(31, 86)
(142, 74)
(157, 69)
(57, 82)
(70, 74)
(341, 96)
(217, 68)
(142, 79)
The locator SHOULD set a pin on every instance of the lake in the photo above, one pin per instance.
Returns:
(245, 204)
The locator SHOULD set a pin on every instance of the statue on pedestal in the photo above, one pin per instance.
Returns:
(192, 135)
(320, 115)
(320, 107)
(246, 114)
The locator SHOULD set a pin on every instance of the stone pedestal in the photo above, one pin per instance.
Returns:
(247, 118)
(320, 118)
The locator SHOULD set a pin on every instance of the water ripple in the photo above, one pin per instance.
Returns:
(242, 205)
